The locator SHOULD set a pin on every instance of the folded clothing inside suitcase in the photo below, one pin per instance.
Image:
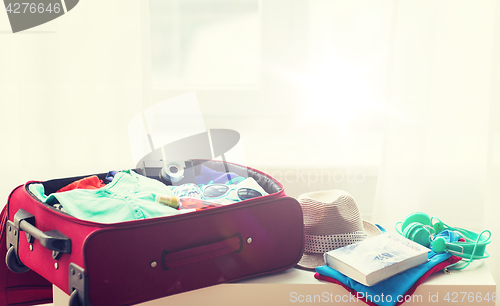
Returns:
(131, 196)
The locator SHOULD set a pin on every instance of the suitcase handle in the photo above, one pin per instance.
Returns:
(52, 240)
(200, 253)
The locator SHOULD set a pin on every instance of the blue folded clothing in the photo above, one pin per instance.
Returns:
(208, 175)
(395, 286)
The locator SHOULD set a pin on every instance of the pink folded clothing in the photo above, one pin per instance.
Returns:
(90, 182)
(440, 266)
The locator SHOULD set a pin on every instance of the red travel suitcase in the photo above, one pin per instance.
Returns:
(135, 261)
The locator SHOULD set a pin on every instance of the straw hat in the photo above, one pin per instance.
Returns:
(331, 220)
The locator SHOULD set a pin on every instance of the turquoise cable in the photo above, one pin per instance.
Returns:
(396, 227)
(471, 259)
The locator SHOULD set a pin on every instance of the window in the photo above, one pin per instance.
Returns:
(205, 44)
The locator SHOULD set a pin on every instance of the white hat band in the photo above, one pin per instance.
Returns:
(325, 243)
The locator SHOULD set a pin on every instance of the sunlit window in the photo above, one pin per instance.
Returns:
(210, 44)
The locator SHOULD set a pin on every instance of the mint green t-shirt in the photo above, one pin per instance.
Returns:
(129, 196)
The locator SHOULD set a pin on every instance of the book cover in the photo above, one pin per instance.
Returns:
(377, 258)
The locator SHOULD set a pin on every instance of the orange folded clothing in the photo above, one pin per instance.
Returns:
(90, 182)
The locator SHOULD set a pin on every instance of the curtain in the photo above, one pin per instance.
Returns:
(440, 151)
(67, 91)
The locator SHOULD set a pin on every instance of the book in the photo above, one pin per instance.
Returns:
(377, 258)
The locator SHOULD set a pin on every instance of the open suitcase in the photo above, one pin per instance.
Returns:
(135, 261)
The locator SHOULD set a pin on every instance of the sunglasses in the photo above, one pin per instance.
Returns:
(214, 191)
